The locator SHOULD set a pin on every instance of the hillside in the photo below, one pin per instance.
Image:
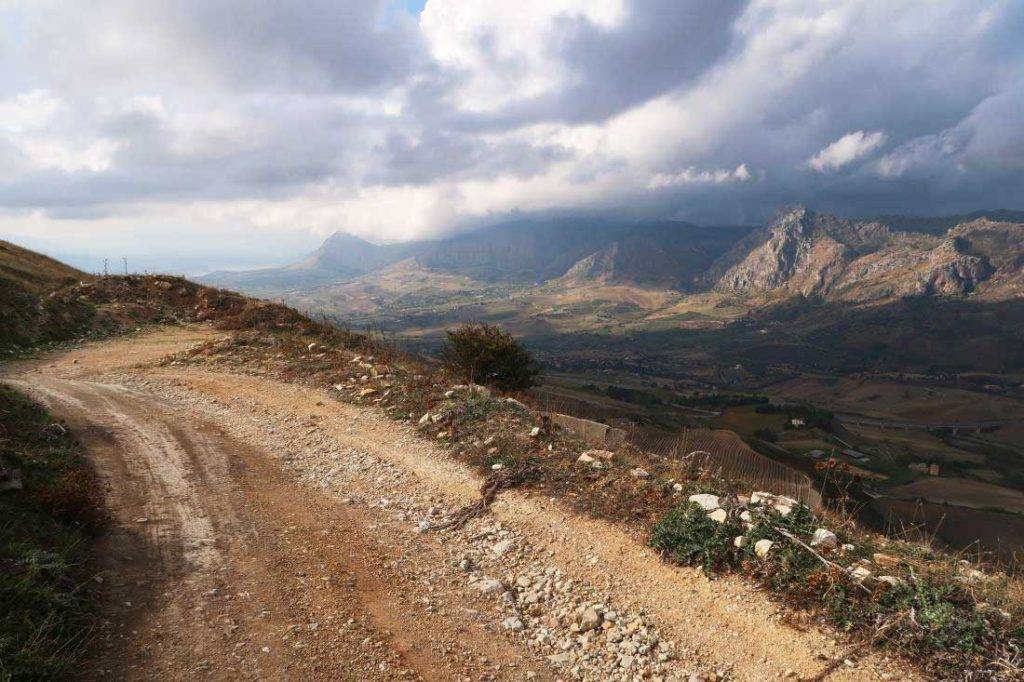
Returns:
(27, 279)
(341, 256)
(43, 301)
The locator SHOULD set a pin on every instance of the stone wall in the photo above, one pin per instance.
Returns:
(597, 434)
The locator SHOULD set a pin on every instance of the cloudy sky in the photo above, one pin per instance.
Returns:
(205, 133)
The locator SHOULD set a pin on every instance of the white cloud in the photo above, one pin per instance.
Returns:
(507, 51)
(847, 149)
(693, 176)
(282, 120)
(38, 125)
(27, 111)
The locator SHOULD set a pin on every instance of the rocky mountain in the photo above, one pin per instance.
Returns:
(523, 251)
(941, 224)
(821, 256)
(657, 253)
(801, 253)
(669, 255)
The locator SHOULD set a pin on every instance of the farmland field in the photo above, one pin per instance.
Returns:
(964, 492)
(960, 528)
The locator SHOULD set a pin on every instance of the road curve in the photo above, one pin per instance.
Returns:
(208, 566)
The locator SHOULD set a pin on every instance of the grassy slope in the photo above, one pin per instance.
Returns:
(26, 280)
(45, 538)
(33, 271)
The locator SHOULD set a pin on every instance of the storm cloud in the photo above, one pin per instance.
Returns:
(269, 122)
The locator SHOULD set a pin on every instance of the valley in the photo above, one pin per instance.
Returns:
(900, 328)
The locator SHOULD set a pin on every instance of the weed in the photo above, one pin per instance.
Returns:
(931, 615)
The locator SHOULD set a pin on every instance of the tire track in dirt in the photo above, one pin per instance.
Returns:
(725, 623)
(296, 584)
(219, 565)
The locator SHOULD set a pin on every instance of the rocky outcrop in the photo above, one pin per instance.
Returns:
(637, 261)
(815, 255)
(953, 272)
(802, 252)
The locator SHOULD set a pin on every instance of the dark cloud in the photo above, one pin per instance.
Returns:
(111, 105)
(444, 155)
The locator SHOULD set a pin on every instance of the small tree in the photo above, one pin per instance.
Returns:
(485, 354)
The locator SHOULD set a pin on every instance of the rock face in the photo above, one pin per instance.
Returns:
(819, 256)
(802, 252)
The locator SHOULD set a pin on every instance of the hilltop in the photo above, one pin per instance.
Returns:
(43, 301)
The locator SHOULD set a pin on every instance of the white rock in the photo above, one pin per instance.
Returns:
(825, 539)
(534, 432)
(560, 659)
(600, 454)
(706, 501)
(640, 472)
(513, 624)
(740, 541)
(490, 586)
(425, 419)
(719, 515)
(860, 573)
(762, 547)
(746, 516)
(502, 548)
(585, 459)
(891, 580)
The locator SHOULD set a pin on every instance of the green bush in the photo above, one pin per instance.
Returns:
(484, 354)
(931, 617)
(689, 537)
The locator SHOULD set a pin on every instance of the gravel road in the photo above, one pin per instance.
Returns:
(265, 531)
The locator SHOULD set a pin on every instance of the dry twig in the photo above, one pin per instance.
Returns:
(503, 479)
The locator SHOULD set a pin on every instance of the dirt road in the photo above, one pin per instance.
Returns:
(264, 531)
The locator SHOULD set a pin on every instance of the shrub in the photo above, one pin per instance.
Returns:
(487, 355)
(691, 538)
(955, 630)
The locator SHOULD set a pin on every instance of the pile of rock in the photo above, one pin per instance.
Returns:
(574, 628)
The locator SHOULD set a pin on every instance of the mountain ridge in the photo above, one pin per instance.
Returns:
(800, 253)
